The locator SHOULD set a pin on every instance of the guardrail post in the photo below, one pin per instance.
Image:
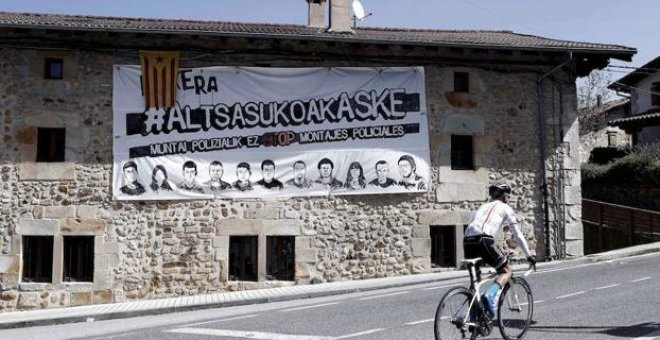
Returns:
(600, 227)
(631, 220)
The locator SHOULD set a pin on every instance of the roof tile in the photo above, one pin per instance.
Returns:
(474, 38)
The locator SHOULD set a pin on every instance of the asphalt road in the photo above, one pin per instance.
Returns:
(618, 299)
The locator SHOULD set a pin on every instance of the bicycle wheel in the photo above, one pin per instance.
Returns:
(515, 309)
(451, 315)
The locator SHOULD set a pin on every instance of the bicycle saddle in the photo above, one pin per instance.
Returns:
(473, 261)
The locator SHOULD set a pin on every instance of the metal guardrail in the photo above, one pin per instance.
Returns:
(610, 226)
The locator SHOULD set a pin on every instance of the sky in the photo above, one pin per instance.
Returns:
(632, 23)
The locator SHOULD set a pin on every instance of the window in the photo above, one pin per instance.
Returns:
(462, 153)
(280, 257)
(38, 259)
(461, 82)
(655, 94)
(50, 144)
(243, 258)
(611, 139)
(443, 246)
(78, 259)
(53, 68)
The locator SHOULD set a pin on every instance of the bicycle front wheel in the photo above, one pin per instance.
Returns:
(452, 314)
(515, 309)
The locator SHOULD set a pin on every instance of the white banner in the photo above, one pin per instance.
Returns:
(267, 132)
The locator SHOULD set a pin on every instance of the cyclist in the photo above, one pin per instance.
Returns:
(478, 240)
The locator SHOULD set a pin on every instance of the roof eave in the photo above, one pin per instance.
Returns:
(624, 54)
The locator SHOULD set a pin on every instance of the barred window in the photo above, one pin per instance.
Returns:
(243, 258)
(38, 259)
(78, 259)
(280, 257)
(443, 246)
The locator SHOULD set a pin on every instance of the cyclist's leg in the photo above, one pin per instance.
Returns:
(494, 257)
(504, 274)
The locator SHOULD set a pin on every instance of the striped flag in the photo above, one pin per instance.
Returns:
(159, 70)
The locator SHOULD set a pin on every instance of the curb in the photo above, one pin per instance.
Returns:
(243, 302)
(444, 276)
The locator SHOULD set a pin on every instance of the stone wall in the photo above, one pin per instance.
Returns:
(594, 131)
(159, 249)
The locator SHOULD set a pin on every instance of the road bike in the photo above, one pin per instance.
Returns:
(462, 314)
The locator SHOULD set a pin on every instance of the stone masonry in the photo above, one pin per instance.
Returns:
(146, 250)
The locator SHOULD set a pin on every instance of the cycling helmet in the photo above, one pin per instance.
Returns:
(496, 190)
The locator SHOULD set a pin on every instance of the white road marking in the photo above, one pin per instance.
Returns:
(569, 295)
(595, 263)
(246, 334)
(641, 279)
(535, 302)
(605, 287)
(440, 287)
(567, 268)
(383, 295)
(422, 321)
(221, 320)
(312, 306)
(359, 333)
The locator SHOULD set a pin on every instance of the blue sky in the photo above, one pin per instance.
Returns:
(632, 23)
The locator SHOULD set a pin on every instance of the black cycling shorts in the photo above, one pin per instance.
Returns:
(484, 246)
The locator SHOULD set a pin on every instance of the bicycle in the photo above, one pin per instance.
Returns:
(461, 311)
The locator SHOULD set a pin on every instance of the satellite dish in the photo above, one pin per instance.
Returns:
(358, 9)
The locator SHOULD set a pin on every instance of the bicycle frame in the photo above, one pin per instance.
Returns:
(476, 291)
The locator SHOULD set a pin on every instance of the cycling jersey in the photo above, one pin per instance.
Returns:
(490, 217)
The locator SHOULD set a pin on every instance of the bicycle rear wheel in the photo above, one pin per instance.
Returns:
(451, 315)
(515, 309)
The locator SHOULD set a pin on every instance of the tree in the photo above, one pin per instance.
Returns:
(592, 90)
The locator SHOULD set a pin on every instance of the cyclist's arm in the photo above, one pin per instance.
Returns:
(517, 234)
(520, 238)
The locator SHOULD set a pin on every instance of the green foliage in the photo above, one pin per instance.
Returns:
(650, 150)
(604, 155)
(632, 180)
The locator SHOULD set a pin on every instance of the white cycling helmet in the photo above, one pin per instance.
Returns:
(496, 190)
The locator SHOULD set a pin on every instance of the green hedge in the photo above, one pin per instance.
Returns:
(604, 155)
(632, 180)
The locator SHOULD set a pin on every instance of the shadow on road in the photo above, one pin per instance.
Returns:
(634, 331)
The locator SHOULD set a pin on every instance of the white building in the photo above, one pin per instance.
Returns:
(643, 86)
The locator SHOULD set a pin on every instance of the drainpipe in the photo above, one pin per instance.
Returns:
(544, 181)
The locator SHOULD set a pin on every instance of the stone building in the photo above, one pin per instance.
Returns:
(595, 131)
(506, 102)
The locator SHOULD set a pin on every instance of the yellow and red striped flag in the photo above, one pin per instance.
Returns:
(159, 70)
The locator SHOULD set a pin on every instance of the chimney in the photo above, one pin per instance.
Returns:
(316, 16)
(340, 21)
